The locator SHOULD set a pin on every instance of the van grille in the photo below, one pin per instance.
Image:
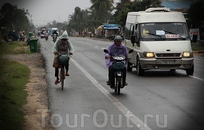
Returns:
(168, 55)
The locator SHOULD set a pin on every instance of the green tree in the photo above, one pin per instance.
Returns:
(18, 17)
(79, 20)
(102, 8)
(122, 8)
(195, 16)
(126, 6)
(195, 13)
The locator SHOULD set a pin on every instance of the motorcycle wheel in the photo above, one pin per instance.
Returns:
(118, 85)
(115, 84)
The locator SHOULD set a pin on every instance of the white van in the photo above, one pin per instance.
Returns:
(158, 38)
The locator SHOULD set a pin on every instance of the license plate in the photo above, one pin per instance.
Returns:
(168, 62)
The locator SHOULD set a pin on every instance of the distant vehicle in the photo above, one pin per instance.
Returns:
(111, 30)
(159, 39)
(54, 31)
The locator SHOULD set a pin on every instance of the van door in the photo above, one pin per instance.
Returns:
(132, 55)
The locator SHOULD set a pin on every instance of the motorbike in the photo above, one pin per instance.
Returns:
(118, 66)
(54, 38)
(46, 36)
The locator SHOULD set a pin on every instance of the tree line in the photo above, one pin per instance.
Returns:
(101, 11)
(13, 18)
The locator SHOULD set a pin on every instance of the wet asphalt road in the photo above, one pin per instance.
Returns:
(159, 100)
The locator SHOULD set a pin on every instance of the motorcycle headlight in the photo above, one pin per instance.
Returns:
(187, 54)
(149, 54)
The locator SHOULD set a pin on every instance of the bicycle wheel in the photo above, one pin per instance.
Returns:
(62, 76)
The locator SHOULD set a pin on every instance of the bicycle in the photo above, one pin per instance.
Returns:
(63, 61)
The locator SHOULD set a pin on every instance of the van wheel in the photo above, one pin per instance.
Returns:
(129, 66)
(190, 71)
(140, 71)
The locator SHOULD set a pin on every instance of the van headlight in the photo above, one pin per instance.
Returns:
(187, 54)
(148, 54)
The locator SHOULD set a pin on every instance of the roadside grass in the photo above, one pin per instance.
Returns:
(197, 48)
(15, 47)
(13, 78)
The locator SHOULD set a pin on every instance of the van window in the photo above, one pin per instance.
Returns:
(129, 31)
(136, 30)
(169, 31)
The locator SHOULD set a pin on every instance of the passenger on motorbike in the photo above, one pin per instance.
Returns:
(117, 48)
(62, 46)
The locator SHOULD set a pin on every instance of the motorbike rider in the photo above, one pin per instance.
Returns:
(62, 46)
(117, 48)
(22, 35)
(55, 33)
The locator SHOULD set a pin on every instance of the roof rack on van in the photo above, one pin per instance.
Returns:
(157, 10)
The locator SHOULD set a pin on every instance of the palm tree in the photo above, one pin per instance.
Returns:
(102, 8)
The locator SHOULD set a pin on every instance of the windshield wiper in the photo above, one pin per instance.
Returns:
(154, 35)
(160, 37)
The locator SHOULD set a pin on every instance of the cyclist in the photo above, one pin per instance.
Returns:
(117, 48)
(63, 46)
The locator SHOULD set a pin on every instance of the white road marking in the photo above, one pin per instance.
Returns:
(133, 118)
(196, 78)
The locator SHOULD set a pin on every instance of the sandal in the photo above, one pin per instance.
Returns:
(67, 74)
(56, 81)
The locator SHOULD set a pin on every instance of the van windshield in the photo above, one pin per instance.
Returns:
(164, 31)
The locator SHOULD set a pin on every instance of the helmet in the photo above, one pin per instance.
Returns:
(118, 38)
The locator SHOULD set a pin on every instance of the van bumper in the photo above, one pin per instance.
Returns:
(183, 63)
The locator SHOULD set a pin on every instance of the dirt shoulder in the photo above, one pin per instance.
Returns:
(37, 99)
(199, 53)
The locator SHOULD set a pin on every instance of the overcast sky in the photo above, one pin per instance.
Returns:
(44, 11)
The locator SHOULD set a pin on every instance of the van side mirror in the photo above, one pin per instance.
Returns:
(130, 51)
